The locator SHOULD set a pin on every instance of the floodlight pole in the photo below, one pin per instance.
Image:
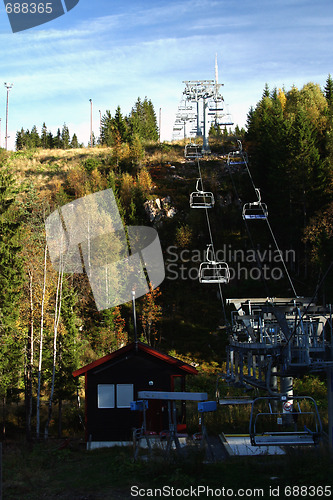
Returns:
(91, 141)
(8, 87)
(134, 319)
(159, 125)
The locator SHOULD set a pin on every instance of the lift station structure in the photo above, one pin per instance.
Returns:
(201, 105)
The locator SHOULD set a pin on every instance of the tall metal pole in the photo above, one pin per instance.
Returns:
(159, 125)
(330, 392)
(91, 141)
(134, 318)
(100, 125)
(8, 87)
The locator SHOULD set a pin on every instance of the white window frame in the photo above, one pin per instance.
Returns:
(100, 388)
(129, 397)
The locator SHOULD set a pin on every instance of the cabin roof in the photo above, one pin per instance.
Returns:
(177, 363)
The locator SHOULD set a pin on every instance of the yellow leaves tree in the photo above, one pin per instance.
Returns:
(145, 182)
(151, 315)
(282, 98)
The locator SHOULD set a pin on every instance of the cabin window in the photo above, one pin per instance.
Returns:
(105, 395)
(124, 395)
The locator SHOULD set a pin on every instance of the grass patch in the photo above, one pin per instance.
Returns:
(47, 471)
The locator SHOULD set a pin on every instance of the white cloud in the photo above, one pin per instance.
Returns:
(148, 51)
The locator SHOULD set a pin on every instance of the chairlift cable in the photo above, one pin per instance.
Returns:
(212, 244)
(272, 234)
(282, 259)
(251, 239)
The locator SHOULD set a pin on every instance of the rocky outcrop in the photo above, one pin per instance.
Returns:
(159, 209)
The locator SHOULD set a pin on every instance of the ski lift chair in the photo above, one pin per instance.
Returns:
(212, 271)
(200, 198)
(192, 151)
(294, 424)
(255, 210)
(238, 157)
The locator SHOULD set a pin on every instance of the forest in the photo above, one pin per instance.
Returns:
(49, 324)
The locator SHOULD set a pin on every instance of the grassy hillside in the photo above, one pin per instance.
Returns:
(191, 326)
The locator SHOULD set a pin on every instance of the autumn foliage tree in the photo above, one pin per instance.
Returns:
(150, 316)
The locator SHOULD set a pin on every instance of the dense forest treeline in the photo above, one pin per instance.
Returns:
(290, 142)
(140, 124)
(49, 325)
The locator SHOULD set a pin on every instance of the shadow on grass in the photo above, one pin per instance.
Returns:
(47, 471)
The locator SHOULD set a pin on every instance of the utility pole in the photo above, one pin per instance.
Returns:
(100, 126)
(91, 134)
(8, 87)
(134, 320)
(159, 125)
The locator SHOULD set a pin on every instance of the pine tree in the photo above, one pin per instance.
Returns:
(34, 138)
(266, 92)
(329, 90)
(142, 120)
(20, 140)
(137, 151)
(120, 125)
(65, 137)
(11, 279)
(43, 137)
(93, 141)
(50, 141)
(57, 142)
(107, 129)
(74, 142)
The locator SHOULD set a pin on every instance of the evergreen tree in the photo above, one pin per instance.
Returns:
(266, 92)
(286, 142)
(57, 142)
(74, 142)
(107, 129)
(137, 151)
(50, 141)
(329, 90)
(43, 137)
(20, 140)
(11, 278)
(142, 120)
(93, 141)
(34, 138)
(65, 137)
(120, 125)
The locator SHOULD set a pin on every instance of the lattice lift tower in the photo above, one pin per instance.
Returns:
(207, 94)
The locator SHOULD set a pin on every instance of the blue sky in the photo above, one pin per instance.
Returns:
(114, 52)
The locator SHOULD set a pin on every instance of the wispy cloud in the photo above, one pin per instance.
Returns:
(139, 49)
